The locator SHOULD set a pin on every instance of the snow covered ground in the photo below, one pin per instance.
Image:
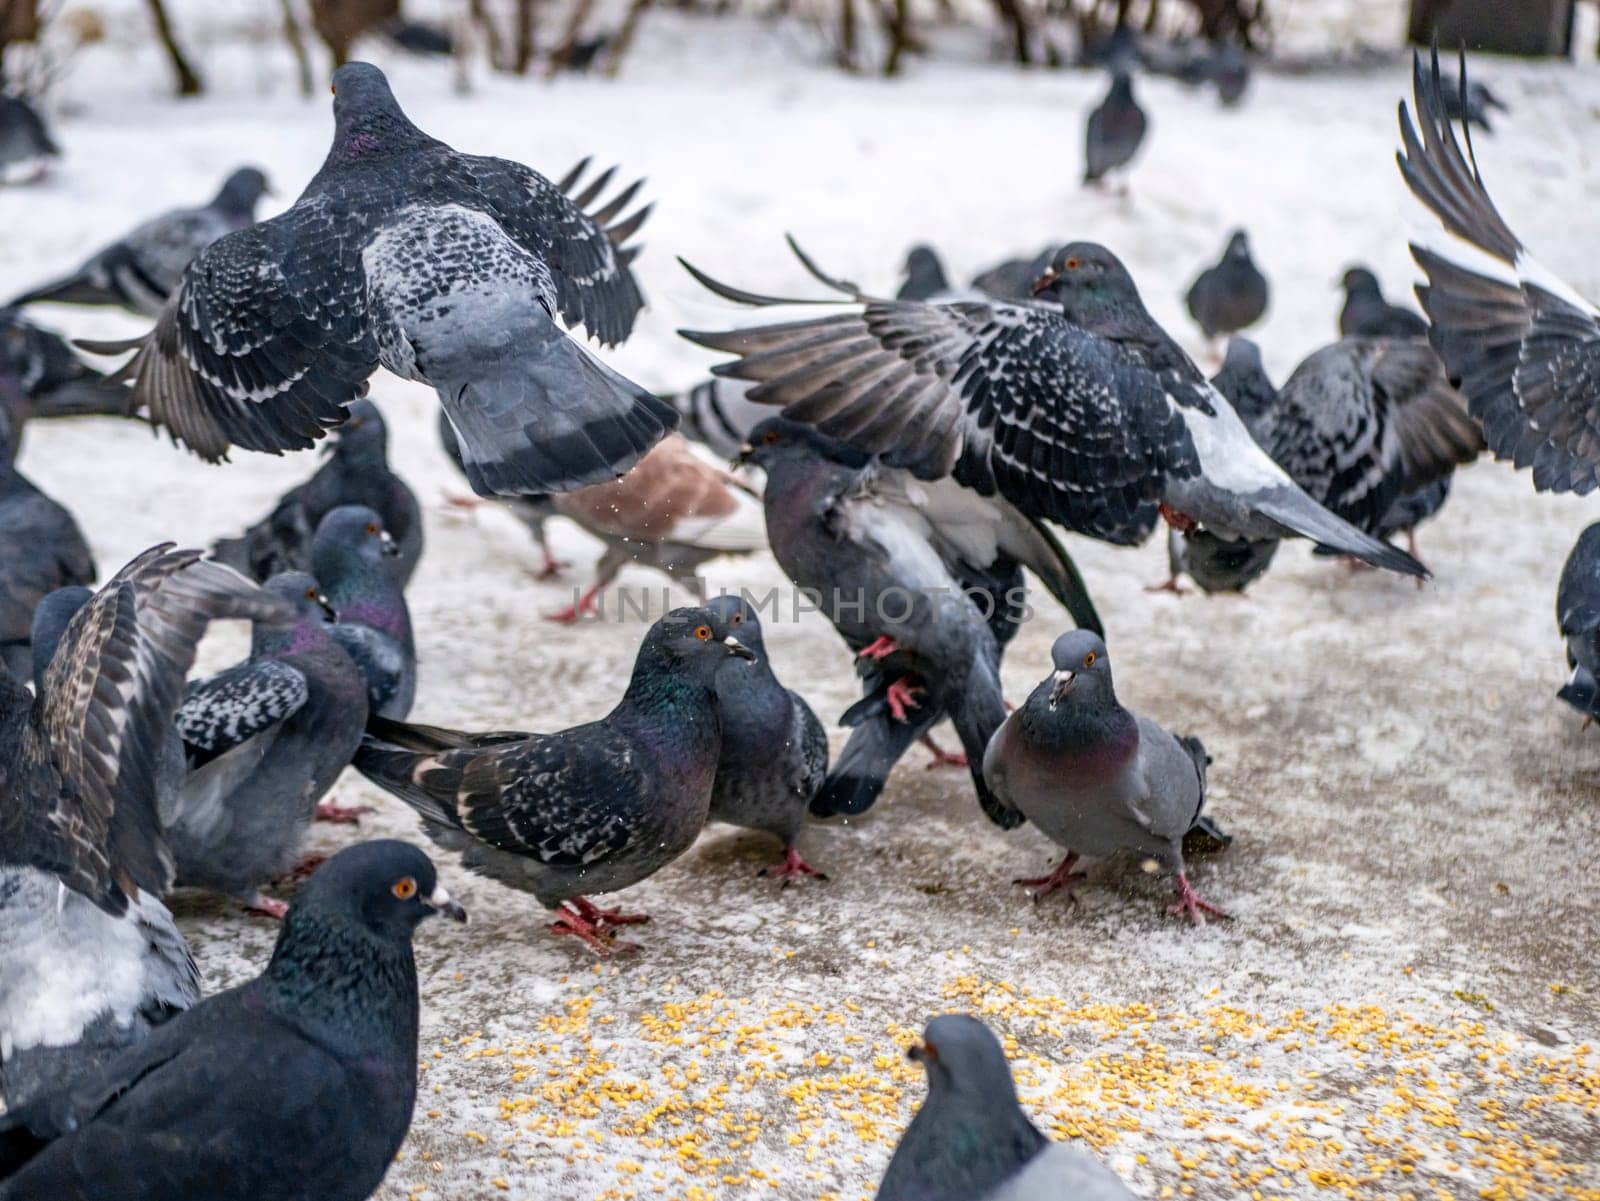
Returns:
(1406, 1002)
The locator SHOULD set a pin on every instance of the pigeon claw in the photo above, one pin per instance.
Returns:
(267, 907)
(793, 868)
(880, 647)
(902, 697)
(592, 926)
(606, 917)
(1062, 879)
(344, 815)
(1172, 584)
(584, 606)
(1193, 904)
(942, 757)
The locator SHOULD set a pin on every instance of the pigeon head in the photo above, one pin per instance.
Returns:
(1358, 281)
(1238, 250)
(308, 606)
(1243, 379)
(51, 616)
(385, 886)
(364, 436)
(778, 439)
(367, 119)
(1082, 667)
(1091, 285)
(351, 540)
(692, 640)
(924, 272)
(737, 616)
(240, 191)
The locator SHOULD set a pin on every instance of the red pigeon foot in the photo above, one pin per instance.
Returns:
(792, 868)
(1181, 522)
(268, 907)
(902, 697)
(942, 757)
(606, 917)
(880, 647)
(1063, 878)
(1192, 903)
(1172, 584)
(585, 605)
(344, 815)
(600, 941)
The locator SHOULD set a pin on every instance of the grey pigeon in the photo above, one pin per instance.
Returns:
(1578, 619)
(357, 473)
(266, 740)
(1366, 314)
(1470, 104)
(297, 1085)
(586, 810)
(774, 750)
(41, 549)
(717, 415)
(41, 377)
(25, 142)
(1215, 564)
(358, 566)
(1013, 279)
(1231, 295)
(140, 269)
(1115, 129)
(924, 275)
(533, 510)
(90, 960)
(446, 268)
(1096, 778)
(1523, 346)
(1082, 411)
(971, 1140)
(892, 560)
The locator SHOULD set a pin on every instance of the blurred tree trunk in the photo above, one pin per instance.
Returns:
(1011, 12)
(189, 83)
(899, 36)
(491, 34)
(525, 37)
(847, 34)
(623, 38)
(339, 22)
(562, 54)
(297, 44)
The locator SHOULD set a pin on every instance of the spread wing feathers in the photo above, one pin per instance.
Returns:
(1522, 346)
(107, 702)
(263, 344)
(233, 706)
(587, 251)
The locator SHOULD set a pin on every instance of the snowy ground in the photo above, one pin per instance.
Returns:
(1406, 1002)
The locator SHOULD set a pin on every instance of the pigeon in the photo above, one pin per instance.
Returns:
(586, 810)
(1230, 296)
(1521, 344)
(297, 1085)
(971, 1140)
(266, 739)
(891, 561)
(446, 268)
(140, 270)
(532, 510)
(774, 750)
(358, 566)
(357, 473)
(1013, 279)
(90, 960)
(1215, 564)
(1227, 67)
(25, 143)
(41, 549)
(1470, 104)
(717, 415)
(925, 278)
(1366, 314)
(1096, 778)
(1083, 412)
(1578, 619)
(1115, 130)
(41, 377)
(418, 37)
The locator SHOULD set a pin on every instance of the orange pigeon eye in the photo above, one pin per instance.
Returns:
(1072, 264)
(771, 438)
(405, 888)
(372, 527)
(311, 594)
(738, 619)
(703, 633)
(1088, 660)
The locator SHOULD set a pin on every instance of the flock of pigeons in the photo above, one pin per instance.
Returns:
(916, 451)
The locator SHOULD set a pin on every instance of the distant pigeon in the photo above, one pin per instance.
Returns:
(999, 397)
(357, 473)
(1578, 619)
(357, 564)
(586, 810)
(89, 958)
(140, 270)
(266, 740)
(971, 1141)
(1215, 564)
(1229, 70)
(41, 549)
(1115, 130)
(446, 268)
(717, 415)
(298, 1084)
(25, 142)
(894, 561)
(924, 275)
(1474, 106)
(1097, 779)
(419, 37)
(774, 750)
(1366, 314)
(41, 377)
(1524, 347)
(1230, 296)
(1013, 279)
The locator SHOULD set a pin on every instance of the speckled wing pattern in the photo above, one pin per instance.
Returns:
(235, 705)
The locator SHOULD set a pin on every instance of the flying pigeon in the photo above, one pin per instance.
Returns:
(1085, 413)
(891, 560)
(357, 473)
(1523, 346)
(717, 415)
(25, 143)
(1230, 296)
(89, 957)
(586, 810)
(446, 268)
(358, 566)
(266, 739)
(924, 275)
(1578, 619)
(1115, 129)
(774, 750)
(971, 1140)
(41, 377)
(140, 269)
(297, 1084)
(1366, 314)
(1097, 778)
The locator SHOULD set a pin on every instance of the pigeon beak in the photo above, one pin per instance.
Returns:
(1043, 283)
(328, 610)
(739, 649)
(742, 459)
(386, 541)
(923, 1052)
(1063, 684)
(444, 903)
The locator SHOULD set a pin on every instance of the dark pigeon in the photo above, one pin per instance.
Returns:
(25, 142)
(357, 473)
(774, 750)
(1115, 129)
(140, 270)
(924, 275)
(1472, 104)
(41, 377)
(298, 1085)
(1215, 564)
(266, 739)
(971, 1141)
(358, 566)
(532, 510)
(1230, 296)
(1578, 619)
(419, 37)
(1096, 778)
(717, 415)
(999, 397)
(445, 268)
(590, 809)
(1366, 314)
(89, 957)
